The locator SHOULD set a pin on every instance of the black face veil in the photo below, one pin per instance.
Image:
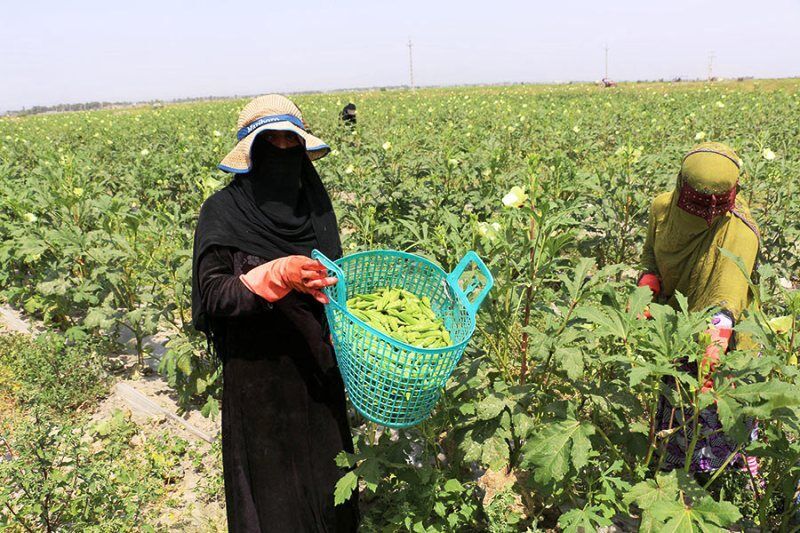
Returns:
(279, 208)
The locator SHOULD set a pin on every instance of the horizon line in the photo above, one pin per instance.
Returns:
(105, 104)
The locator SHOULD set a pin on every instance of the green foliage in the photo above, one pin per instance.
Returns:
(561, 384)
(52, 372)
(60, 470)
(417, 496)
(557, 447)
(69, 474)
(675, 502)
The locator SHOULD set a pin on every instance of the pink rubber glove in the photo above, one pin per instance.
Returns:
(720, 338)
(274, 280)
(650, 280)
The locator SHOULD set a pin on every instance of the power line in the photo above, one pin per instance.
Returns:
(410, 64)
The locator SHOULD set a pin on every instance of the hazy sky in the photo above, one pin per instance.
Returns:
(84, 50)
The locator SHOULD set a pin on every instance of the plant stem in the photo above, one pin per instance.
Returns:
(695, 437)
(19, 518)
(763, 500)
(723, 466)
(651, 439)
(753, 482)
(661, 455)
(561, 329)
(616, 452)
(528, 293)
(532, 275)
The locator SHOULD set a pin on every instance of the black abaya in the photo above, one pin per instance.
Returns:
(283, 407)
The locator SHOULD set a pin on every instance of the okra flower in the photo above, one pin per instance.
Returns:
(515, 197)
(782, 324)
(489, 230)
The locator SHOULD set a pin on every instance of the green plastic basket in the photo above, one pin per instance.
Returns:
(388, 381)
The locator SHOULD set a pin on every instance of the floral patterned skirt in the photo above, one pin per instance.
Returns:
(713, 447)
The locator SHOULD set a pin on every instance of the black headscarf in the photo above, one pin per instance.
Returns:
(277, 209)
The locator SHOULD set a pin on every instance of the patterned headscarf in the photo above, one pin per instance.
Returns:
(708, 181)
(690, 225)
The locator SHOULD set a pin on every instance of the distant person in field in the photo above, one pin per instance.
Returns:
(687, 228)
(349, 114)
(256, 294)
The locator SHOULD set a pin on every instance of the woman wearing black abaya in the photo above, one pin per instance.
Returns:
(256, 294)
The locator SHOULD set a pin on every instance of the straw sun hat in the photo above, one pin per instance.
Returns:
(269, 112)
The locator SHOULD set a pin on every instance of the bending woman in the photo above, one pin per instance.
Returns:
(687, 228)
(256, 295)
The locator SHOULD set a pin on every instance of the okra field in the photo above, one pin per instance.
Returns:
(548, 422)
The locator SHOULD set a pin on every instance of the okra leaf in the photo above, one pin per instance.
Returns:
(586, 519)
(555, 447)
(345, 487)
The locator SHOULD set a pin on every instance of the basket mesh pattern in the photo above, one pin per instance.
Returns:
(388, 381)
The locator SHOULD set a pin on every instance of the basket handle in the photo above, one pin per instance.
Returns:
(453, 277)
(340, 289)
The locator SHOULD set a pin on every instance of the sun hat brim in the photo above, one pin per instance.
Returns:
(239, 160)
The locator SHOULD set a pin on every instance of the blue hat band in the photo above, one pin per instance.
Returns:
(250, 128)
